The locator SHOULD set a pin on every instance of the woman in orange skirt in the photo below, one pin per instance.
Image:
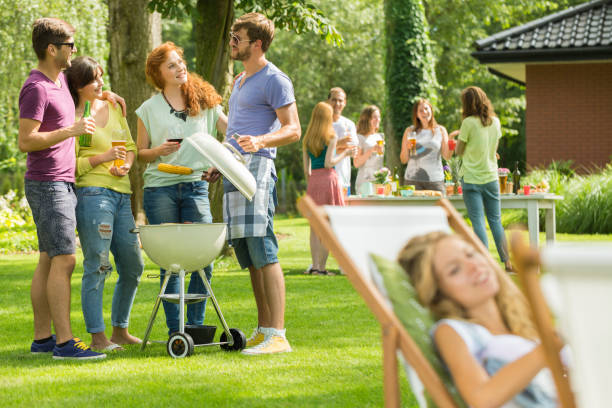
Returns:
(319, 154)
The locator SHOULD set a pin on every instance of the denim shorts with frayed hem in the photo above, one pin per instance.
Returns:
(53, 206)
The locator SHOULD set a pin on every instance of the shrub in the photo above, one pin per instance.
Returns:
(586, 207)
(17, 230)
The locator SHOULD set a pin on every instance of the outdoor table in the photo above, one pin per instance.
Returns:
(532, 203)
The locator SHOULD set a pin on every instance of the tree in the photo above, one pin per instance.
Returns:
(409, 72)
(133, 33)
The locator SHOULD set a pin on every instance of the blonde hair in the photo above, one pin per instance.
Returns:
(320, 130)
(363, 125)
(417, 260)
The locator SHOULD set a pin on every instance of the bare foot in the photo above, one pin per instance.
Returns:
(122, 336)
(99, 341)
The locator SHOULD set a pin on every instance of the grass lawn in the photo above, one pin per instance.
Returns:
(336, 341)
(336, 359)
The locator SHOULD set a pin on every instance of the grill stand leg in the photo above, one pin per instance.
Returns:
(182, 301)
(155, 309)
(230, 338)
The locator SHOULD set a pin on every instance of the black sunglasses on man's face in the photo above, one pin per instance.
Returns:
(71, 44)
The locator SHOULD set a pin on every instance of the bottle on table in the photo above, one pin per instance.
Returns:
(516, 178)
(85, 138)
(395, 183)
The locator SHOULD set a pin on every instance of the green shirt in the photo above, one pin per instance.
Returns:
(479, 164)
(319, 161)
(161, 125)
(100, 176)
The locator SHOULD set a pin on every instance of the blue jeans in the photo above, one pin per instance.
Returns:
(104, 220)
(178, 203)
(481, 200)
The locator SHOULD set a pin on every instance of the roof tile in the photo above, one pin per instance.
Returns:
(589, 24)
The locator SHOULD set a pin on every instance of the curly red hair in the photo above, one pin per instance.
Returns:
(198, 93)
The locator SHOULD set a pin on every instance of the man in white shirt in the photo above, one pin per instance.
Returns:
(346, 133)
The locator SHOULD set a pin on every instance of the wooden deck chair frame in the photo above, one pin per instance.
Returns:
(527, 263)
(394, 336)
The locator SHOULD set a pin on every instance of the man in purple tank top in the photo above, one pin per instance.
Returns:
(47, 132)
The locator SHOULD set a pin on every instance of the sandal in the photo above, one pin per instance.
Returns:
(311, 271)
(326, 272)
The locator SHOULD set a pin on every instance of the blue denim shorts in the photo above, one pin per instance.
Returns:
(259, 251)
(53, 206)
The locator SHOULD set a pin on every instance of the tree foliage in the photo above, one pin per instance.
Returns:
(17, 57)
(410, 65)
(454, 27)
(296, 15)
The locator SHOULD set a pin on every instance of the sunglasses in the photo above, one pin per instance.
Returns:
(234, 38)
(71, 44)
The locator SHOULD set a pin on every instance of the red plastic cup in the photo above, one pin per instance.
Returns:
(526, 189)
(452, 143)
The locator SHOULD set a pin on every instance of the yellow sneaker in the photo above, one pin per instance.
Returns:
(256, 338)
(273, 344)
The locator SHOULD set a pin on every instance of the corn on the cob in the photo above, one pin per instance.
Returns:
(171, 168)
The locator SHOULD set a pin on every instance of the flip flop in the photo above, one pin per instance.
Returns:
(313, 271)
(113, 347)
(326, 272)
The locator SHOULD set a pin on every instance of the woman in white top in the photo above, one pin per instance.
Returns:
(484, 333)
(370, 156)
(424, 169)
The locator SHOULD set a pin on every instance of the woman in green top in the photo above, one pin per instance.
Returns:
(478, 140)
(104, 213)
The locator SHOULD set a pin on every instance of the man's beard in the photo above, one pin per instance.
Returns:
(242, 56)
(63, 63)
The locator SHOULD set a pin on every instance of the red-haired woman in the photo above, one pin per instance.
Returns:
(185, 104)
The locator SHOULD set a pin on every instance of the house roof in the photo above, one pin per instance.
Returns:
(580, 33)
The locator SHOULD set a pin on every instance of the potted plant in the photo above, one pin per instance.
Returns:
(451, 173)
(382, 178)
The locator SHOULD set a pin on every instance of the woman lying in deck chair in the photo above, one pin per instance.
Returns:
(484, 333)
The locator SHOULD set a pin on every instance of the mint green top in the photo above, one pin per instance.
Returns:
(479, 164)
(161, 125)
(319, 161)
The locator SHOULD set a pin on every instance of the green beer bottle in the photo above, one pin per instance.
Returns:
(85, 138)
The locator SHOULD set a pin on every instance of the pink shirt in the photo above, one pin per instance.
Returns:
(42, 100)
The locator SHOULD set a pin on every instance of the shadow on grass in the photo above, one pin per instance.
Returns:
(300, 271)
(23, 359)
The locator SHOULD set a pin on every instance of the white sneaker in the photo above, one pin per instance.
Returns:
(273, 344)
(256, 338)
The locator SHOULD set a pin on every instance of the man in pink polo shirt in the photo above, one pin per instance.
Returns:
(47, 132)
